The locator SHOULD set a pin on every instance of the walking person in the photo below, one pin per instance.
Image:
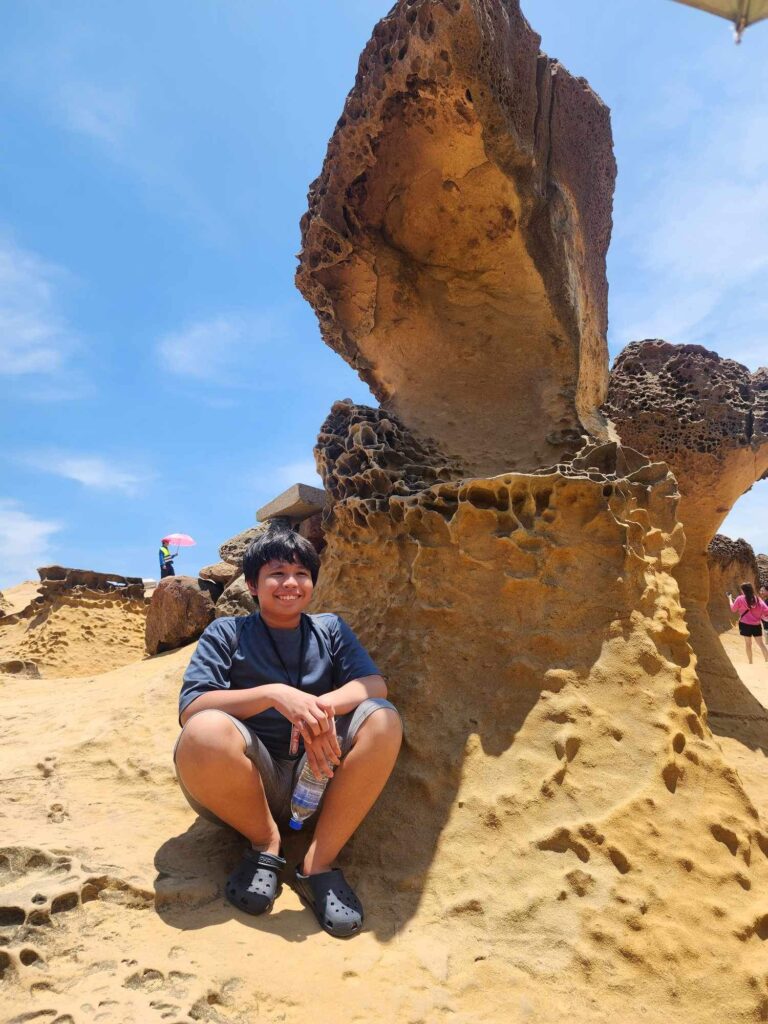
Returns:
(751, 610)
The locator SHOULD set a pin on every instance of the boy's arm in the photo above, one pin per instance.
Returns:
(348, 696)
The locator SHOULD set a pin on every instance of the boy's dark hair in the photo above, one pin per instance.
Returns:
(279, 544)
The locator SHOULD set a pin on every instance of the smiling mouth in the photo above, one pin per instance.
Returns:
(287, 597)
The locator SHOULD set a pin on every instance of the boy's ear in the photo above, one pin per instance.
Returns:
(251, 588)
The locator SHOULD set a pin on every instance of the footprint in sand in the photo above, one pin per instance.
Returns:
(47, 766)
(57, 813)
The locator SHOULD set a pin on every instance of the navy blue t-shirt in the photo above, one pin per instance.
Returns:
(235, 653)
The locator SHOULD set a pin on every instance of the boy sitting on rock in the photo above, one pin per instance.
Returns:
(249, 682)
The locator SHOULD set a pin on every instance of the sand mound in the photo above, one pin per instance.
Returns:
(56, 629)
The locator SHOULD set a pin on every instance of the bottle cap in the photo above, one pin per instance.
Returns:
(294, 824)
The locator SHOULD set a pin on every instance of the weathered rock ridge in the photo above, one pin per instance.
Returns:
(454, 247)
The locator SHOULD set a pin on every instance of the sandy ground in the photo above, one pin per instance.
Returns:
(111, 905)
(750, 762)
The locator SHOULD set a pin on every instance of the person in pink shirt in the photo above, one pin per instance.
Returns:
(751, 611)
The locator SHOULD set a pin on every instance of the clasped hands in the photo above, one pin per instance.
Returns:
(315, 720)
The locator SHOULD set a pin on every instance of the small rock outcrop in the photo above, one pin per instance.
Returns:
(454, 247)
(232, 550)
(178, 613)
(731, 563)
(236, 600)
(221, 572)
(56, 579)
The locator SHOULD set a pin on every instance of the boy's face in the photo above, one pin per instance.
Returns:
(283, 589)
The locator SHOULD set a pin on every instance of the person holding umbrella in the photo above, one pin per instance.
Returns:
(182, 540)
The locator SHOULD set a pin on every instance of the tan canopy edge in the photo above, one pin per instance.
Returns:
(741, 12)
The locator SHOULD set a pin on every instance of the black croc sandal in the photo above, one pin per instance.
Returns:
(335, 905)
(254, 885)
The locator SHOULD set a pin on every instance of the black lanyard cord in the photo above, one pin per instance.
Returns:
(280, 658)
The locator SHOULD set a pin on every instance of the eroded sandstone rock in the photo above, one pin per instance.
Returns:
(178, 613)
(454, 247)
(236, 599)
(707, 418)
(220, 572)
(531, 631)
(232, 550)
(731, 563)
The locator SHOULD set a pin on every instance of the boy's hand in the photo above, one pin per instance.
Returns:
(311, 715)
(323, 753)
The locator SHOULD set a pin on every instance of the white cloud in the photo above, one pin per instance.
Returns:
(697, 229)
(24, 543)
(219, 351)
(93, 471)
(34, 336)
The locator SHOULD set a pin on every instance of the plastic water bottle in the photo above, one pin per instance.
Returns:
(306, 797)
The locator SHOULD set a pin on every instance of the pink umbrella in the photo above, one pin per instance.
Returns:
(181, 540)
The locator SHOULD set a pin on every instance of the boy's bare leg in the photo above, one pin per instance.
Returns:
(356, 784)
(748, 644)
(212, 765)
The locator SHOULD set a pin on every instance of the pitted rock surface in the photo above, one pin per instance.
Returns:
(533, 637)
(367, 453)
(454, 246)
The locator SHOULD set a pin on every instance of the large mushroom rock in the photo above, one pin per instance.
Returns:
(707, 418)
(560, 812)
(178, 613)
(454, 246)
(762, 570)
(731, 563)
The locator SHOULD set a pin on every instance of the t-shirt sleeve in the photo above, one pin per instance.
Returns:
(740, 604)
(210, 664)
(350, 658)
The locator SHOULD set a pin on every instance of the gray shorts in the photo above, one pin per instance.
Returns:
(278, 774)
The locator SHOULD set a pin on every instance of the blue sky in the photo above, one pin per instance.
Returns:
(158, 370)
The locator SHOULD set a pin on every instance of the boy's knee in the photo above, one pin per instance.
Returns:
(383, 724)
(209, 731)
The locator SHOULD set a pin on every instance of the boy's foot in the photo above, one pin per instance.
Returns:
(335, 905)
(254, 885)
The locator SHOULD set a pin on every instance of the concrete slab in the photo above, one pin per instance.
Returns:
(299, 502)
